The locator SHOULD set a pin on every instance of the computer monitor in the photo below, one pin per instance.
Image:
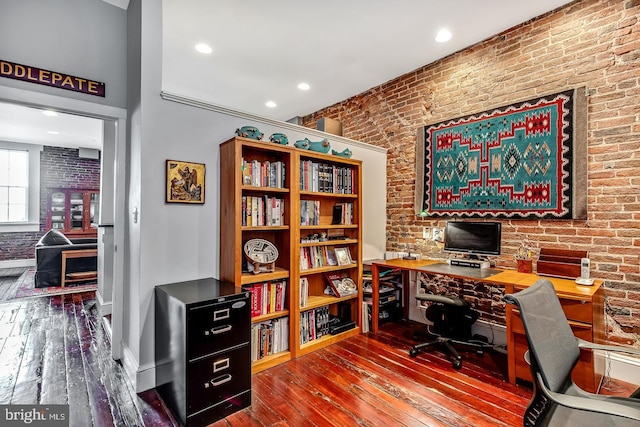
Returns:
(473, 238)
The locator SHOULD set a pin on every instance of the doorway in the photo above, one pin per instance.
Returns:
(113, 164)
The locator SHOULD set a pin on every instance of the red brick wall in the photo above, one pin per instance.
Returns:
(592, 43)
(59, 168)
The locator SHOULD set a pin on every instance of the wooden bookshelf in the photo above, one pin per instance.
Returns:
(234, 233)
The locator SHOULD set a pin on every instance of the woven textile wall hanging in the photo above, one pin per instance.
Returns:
(524, 160)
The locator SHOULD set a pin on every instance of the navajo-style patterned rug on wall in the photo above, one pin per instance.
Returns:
(525, 160)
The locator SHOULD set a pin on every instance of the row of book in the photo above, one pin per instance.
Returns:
(263, 174)
(342, 214)
(309, 212)
(326, 178)
(314, 324)
(317, 256)
(267, 297)
(261, 211)
(269, 338)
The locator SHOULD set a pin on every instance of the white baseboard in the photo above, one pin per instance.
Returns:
(104, 307)
(623, 368)
(141, 378)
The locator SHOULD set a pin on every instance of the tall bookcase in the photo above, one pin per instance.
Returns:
(321, 191)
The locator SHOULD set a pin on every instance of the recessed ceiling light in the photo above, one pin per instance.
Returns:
(304, 86)
(443, 35)
(271, 104)
(49, 113)
(203, 48)
(53, 132)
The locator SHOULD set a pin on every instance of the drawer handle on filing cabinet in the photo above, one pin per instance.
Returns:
(221, 314)
(220, 380)
(219, 365)
(221, 329)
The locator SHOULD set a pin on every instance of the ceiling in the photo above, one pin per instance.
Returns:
(263, 49)
(29, 125)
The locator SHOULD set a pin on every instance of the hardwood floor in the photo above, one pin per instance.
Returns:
(54, 350)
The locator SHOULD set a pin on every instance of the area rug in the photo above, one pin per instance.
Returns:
(27, 288)
(524, 160)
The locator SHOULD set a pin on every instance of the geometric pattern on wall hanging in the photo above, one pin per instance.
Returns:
(524, 160)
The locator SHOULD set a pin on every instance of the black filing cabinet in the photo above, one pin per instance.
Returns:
(202, 351)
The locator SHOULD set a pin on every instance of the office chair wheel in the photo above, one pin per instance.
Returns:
(457, 364)
(413, 352)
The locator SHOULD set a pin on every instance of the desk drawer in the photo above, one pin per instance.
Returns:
(577, 310)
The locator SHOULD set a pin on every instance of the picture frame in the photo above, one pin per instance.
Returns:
(185, 182)
(343, 256)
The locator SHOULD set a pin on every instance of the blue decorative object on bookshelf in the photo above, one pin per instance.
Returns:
(321, 146)
(302, 144)
(344, 153)
(279, 138)
(250, 132)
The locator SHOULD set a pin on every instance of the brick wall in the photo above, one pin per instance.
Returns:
(59, 168)
(592, 43)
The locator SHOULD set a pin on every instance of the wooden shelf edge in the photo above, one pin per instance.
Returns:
(327, 268)
(316, 301)
(269, 316)
(250, 278)
(327, 340)
(249, 188)
(270, 361)
(329, 243)
(322, 194)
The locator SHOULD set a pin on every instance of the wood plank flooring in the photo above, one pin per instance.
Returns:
(54, 350)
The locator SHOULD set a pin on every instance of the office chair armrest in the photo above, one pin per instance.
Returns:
(442, 299)
(588, 404)
(613, 348)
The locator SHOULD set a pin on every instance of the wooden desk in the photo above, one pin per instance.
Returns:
(583, 306)
(81, 276)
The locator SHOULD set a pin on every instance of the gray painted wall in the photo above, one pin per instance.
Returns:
(84, 38)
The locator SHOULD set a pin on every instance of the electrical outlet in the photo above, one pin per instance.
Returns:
(426, 233)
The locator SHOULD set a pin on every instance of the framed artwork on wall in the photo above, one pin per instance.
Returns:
(184, 182)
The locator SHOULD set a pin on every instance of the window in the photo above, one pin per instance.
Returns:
(14, 186)
(28, 202)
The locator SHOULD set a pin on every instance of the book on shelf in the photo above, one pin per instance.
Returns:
(270, 337)
(262, 211)
(267, 297)
(326, 178)
(341, 284)
(309, 212)
(314, 324)
(342, 214)
(263, 174)
(304, 291)
(316, 257)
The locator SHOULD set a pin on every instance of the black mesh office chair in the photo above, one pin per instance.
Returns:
(553, 353)
(452, 318)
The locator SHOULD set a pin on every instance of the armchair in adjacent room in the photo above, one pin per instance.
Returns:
(49, 257)
(553, 353)
(451, 319)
